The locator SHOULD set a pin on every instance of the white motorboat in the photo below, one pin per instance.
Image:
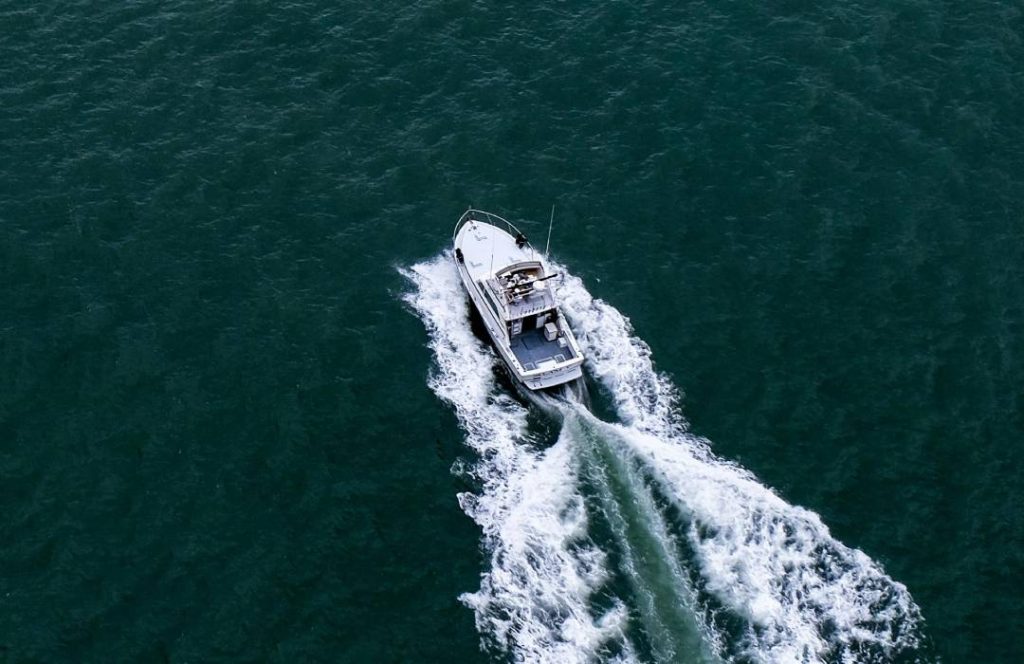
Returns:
(510, 286)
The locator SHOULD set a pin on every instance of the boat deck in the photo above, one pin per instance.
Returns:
(532, 349)
(486, 247)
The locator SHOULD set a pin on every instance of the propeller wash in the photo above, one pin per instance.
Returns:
(632, 541)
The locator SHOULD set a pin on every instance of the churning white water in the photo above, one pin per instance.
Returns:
(534, 600)
(716, 564)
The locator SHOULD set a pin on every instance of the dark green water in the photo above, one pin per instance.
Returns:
(217, 441)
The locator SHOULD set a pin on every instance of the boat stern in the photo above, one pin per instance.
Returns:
(544, 378)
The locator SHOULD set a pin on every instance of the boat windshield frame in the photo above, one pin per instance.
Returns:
(472, 214)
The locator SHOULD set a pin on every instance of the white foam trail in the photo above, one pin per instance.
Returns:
(620, 360)
(665, 600)
(533, 602)
(804, 596)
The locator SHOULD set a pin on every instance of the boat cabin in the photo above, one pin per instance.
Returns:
(519, 296)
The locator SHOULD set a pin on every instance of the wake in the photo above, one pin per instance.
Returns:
(701, 562)
(534, 602)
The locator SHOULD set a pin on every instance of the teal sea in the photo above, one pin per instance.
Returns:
(244, 416)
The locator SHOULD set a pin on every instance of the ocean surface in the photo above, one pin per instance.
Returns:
(244, 416)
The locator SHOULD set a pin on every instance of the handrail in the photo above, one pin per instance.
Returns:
(473, 214)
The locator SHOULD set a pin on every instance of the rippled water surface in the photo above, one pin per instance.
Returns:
(243, 416)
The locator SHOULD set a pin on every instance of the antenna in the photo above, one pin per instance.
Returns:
(551, 223)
